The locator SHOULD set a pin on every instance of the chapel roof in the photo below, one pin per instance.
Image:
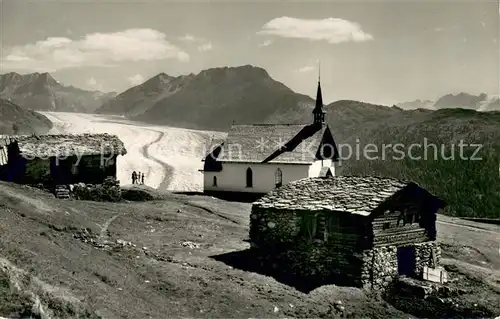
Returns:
(273, 143)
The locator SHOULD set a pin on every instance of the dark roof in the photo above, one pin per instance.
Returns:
(273, 143)
(356, 195)
(50, 145)
(210, 161)
(318, 108)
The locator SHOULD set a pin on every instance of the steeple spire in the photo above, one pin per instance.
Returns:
(318, 113)
(319, 70)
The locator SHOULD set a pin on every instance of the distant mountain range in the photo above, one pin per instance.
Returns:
(211, 99)
(41, 92)
(481, 102)
(17, 120)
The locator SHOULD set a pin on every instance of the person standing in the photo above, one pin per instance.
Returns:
(142, 179)
(134, 177)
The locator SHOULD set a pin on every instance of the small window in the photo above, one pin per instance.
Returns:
(278, 177)
(386, 226)
(214, 183)
(249, 177)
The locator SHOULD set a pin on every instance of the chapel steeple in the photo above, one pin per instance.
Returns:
(318, 113)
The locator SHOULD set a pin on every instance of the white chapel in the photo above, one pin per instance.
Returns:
(255, 159)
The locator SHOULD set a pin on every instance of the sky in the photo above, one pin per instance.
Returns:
(375, 51)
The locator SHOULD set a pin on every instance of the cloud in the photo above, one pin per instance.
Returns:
(310, 65)
(202, 43)
(305, 69)
(95, 49)
(445, 28)
(188, 38)
(205, 47)
(135, 79)
(94, 84)
(331, 30)
(265, 43)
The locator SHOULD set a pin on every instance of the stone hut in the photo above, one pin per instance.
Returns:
(59, 159)
(358, 231)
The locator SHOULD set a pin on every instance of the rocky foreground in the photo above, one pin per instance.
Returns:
(183, 256)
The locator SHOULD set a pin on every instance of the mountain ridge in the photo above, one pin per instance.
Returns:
(42, 92)
(482, 102)
(17, 120)
(211, 99)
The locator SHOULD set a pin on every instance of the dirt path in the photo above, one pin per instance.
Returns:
(104, 227)
(169, 170)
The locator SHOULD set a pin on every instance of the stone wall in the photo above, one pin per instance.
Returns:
(324, 253)
(423, 256)
(272, 226)
(380, 267)
(314, 264)
(333, 251)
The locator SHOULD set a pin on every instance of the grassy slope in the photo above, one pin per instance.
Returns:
(166, 279)
(471, 187)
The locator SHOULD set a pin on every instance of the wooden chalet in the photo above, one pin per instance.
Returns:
(363, 231)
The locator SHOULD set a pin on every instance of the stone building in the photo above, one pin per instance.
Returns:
(257, 158)
(59, 159)
(358, 231)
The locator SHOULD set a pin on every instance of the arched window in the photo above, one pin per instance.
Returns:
(214, 181)
(249, 177)
(278, 177)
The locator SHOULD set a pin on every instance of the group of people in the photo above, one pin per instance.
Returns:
(137, 177)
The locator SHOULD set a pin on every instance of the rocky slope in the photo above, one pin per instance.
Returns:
(41, 92)
(17, 120)
(142, 97)
(186, 256)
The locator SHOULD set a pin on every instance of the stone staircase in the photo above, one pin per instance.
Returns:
(62, 192)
